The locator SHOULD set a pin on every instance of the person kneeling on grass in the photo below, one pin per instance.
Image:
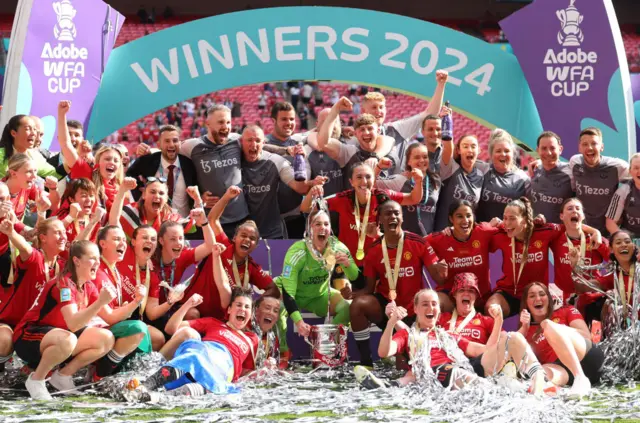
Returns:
(210, 355)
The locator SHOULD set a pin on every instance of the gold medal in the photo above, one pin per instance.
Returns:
(361, 228)
(360, 254)
(393, 294)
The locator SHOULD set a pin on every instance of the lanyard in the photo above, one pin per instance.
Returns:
(392, 276)
(13, 253)
(361, 228)
(626, 299)
(583, 245)
(56, 267)
(116, 279)
(516, 278)
(147, 280)
(236, 273)
(463, 324)
(424, 201)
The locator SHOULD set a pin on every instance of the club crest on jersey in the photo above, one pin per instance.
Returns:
(286, 272)
(65, 295)
(339, 269)
(407, 255)
(538, 244)
(476, 322)
(475, 244)
(556, 320)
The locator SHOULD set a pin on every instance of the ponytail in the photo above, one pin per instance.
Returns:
(524, 205)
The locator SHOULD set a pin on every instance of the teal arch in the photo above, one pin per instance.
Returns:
(367, 47)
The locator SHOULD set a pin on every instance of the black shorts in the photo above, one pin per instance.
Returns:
(513, 302)
(591, 365)
(593, 311)
(28, 345)
(160, 323)
(409, 320)
(443, 373)
(476, 363)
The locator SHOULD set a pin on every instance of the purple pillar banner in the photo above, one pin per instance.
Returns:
(635, 89)
(67, 45)
(573, 58)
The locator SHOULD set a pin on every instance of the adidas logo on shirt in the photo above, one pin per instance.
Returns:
(450, 249)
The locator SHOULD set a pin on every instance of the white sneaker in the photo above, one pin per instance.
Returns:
(63, 384)
(37, 389)
(581, 387)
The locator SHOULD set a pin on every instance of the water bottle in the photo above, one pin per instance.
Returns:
(447, 125)
(299, 166)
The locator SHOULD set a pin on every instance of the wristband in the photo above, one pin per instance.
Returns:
(205, 223)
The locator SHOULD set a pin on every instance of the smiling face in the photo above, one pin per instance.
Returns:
(590, 147)
(572, 214)
(173, 241)
(427, 310)
(252, 143)
(367, 136)
(144, 244)
(26, 135)
(219, 125)
(391, 217)
(462, 221)
(54, 240)
(88, 263)
(320, 231)
(267, 313)
(169, 144)
(362, 180)
(285, 123)
(549, 151)
(86, 199)
(465, 300)
(537, 303)
(634, 169)
(376, 108)
(419, 158)
(514, 221)
(502, 157)
(155, 197)
(432, 132)
(77, 135)
(109, 163)
(26, 175)
(245, 241)
(622, 247)
(240, 312)
(468, 149)
(114, 245)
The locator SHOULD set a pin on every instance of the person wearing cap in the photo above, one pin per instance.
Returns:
(464, 321)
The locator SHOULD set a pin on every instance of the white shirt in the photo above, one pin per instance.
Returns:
(180, 200)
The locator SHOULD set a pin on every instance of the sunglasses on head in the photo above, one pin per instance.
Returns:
(152, 179)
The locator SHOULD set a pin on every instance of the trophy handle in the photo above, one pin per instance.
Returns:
(562, 15)
(56, 7)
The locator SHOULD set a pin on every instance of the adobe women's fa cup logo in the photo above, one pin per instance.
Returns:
(570, 35)
(65, 29)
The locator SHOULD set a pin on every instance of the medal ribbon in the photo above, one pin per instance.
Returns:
(463, 324)
(117, 280)
(583, 245)
(173, 273)
(361, 228)
(147, 283)
(516, 278)
(392, 276)
(236, 273)
(56, 266)
(626, 298)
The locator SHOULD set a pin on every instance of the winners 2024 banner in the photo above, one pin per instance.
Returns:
(58, 50)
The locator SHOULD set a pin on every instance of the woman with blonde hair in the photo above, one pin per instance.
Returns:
(504, 181)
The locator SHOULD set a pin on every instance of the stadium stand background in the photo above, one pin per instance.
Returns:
(475, 17)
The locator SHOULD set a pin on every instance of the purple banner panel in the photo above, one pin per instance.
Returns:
(635, 89)
(66, 49)
(572, 55)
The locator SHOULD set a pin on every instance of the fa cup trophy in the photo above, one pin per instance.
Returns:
(570, 35)
(65, 29)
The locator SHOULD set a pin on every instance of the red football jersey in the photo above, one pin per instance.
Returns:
(242, 346)
(562, 266)
(477, 330)
(607, 284)
(20, 200)
(537, 267)
(56, 294)
(438, 354)
(127, 270)
(105, 276)
(416, 253)
(172, 274)
(343, 204)
(29, 279)
(539, 343)
(82, 169)
(470, 256)
(205, 285)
